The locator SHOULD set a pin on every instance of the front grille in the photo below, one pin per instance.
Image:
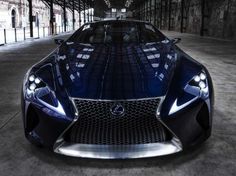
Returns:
(97, 125)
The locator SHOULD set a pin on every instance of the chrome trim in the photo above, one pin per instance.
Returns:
(114, 110)
(160, 105)
(60, 139)
(117, 151)
(74, 105)
(175, 108)
(117, 100)
(175, 138)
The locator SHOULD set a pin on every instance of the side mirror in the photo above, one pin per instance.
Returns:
(176, 40)
(58, 41)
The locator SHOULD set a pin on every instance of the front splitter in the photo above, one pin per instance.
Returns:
(117, 151)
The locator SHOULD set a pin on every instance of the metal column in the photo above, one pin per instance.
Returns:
(89, 15)
(92, 18)
(139, 11)
(84, 11)
(155, 12)
(182, 17)
(31, 18)
(203, 17)
(79, 13)
(64, 14)
(169, 14)
(88, 10)
(73, 14)
(143, 12)
(51, 18)
(161, 13)
(146, 9)
(149, 10)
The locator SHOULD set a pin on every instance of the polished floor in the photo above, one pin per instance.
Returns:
(215, 157)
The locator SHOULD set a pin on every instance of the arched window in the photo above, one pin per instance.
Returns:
(13, 18)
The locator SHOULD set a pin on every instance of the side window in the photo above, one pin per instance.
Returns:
(150, 28)
(83, 34)
(150, 34)
(98, 35)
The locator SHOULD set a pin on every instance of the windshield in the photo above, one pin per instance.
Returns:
(117, 32)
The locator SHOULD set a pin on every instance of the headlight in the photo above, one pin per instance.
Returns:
(198, 87)
(38, 90)
(34, 83)
(32, 78)
(202, 85)
(200, 81)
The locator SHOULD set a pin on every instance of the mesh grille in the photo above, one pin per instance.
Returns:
(97, 125)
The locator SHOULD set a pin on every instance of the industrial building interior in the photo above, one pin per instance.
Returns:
(207, 29)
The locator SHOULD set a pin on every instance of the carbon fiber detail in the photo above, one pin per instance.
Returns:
(97, 125)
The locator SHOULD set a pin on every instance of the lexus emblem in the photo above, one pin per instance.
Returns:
(117, 110)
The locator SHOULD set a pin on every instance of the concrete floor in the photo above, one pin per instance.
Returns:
(215, 157)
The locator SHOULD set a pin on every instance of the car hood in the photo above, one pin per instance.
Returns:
(116, 71)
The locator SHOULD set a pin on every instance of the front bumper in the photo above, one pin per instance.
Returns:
(183, 134)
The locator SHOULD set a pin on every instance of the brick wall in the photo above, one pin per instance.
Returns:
(219, 16)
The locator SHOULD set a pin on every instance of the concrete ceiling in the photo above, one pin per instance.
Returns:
(118, 3)
(100, 6)
(79, 4)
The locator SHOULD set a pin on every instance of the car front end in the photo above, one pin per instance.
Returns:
(117, 101)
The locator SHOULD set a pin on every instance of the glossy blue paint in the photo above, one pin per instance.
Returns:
(116, 72)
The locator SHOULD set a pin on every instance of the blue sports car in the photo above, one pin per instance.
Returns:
(117, 89)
